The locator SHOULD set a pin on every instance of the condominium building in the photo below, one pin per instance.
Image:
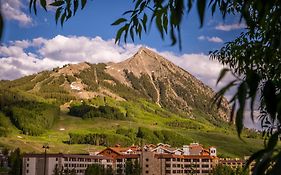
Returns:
(115, 158)
(164, 160)
(159, 159)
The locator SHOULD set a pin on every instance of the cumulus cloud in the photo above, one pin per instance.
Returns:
(213, 39)
(13, 10)
(229, 27)
(19, 58)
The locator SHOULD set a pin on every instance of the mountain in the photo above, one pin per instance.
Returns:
(144, 96)
(165, 83)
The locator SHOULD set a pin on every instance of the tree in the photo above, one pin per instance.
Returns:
(72, 172)
(253, 58)
(15, 162)
(95, 169)
(129, 167)
(223, 170)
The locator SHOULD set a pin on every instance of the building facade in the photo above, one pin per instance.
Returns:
(164, 160)
(115, 158)
(159, 159)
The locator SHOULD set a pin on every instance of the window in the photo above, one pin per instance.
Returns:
(205, 160)
(195, 160)
(147, 159)
(146, 165)
(168, 171)
(57, 159)
(27, 165)
(205, 166)
(187, 160)
(146, 172)
(27, 171)
(27, 159)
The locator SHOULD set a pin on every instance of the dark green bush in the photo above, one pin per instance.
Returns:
(86, 111)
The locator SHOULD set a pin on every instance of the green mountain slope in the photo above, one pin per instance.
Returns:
(82, 107)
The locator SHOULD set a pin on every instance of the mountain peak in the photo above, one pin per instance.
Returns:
(145, 61)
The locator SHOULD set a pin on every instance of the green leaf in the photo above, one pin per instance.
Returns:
(58, 13)
(232, 111)
(222, 91)
(239, 121)
(119, 21)
(189, 5)
(76, 4)
(241, 96)
(270, 98)
(159, 25)
(201, 5)
(253, 84)
(120, 31)
(144, 21)
(139, 30)
(62, 18)
(173, 36)
(255, 156)
(129, 11)
(34, 7)
(165, 23)
(30, 5)
(43, 4)
(138, 3)
(222, 74)
(57, 3)
(83, 3)
(272, 142)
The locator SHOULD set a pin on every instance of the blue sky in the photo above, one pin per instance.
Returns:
(96, 18)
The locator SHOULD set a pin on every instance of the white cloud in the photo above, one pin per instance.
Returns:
(13, 10)
(229, 27)
(213, 39)
(17, 59)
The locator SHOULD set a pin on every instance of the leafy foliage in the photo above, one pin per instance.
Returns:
(132, 167)
(86, 111)
(5, 125)
(65, 9)
(33, 118)
(15, 162)
(103, 139)
(224, 169)
(96, 169)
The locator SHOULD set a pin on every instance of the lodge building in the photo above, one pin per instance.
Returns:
(159, 159)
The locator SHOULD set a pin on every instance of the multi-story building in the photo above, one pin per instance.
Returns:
(154, 160)
(35, 164)
(164, 160)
